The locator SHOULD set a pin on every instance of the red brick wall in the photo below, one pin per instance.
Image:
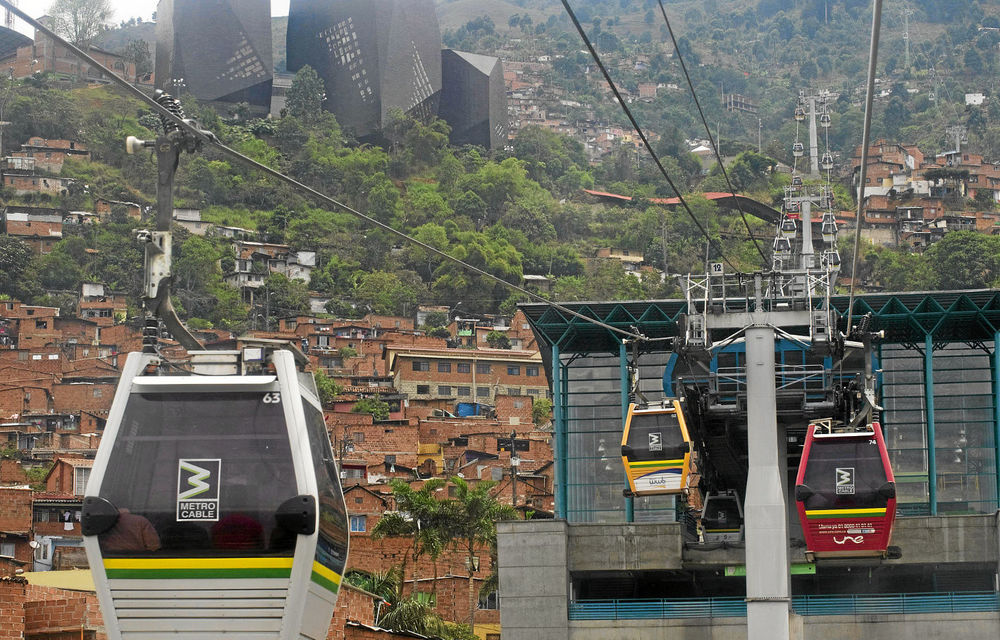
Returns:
(88, 397)
(453, 598)
(50, 612)
(11, 472)
(15, 509)
(12, 599)
(352, 604)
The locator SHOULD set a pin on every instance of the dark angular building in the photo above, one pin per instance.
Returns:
(373, 55)
(216, 50)
(474, 99)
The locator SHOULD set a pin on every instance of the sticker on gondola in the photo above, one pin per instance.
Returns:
(198, 481)
(845, 481)
(655, 441)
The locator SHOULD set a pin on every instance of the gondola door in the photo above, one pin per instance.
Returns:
(845, 493)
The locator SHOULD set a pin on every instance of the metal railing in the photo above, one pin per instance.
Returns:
(823, 605)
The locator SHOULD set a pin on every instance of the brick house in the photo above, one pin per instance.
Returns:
(101, 305)
(105, 207)
(465, 376)
(44, 54)
(68, 475)
(49, 155)
(41, 228)
(23, 183)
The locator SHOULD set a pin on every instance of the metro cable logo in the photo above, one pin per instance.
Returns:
(198, 481)
(845, 481)
(655, 441)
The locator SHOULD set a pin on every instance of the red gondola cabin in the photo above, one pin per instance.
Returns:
(845, 492)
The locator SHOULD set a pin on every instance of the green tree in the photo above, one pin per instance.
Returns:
(15, 259)
(376, 406)
(541, 411)
(498, 340)
(474, 514)
(386, 293)
(966, 260)
(80, 21)
(306, 95)
(326, 386)
(137, 53)
(419, 516)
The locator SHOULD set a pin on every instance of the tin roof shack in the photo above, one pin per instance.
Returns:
(191, 220)
(41, 229)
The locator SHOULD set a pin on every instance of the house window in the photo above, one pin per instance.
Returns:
(421, 365)
(513, 391)
(80, 477)
(489, 602)
(464, 391)
(41, 324)
(358, 524)
(444, 367)
(482, 392)
(464, 367)
(531, 372)
(358, 437)
(359, 501)
(423, 388)
(513, 370)
(98, 392)
(482, 367)
(519, 404)
(444, 390)
(7, 549)
(390, 459)
(532, 392)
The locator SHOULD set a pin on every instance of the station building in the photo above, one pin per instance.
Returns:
(610, 566)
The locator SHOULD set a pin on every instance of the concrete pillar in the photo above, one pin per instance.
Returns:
(768, 581)
(534, 579)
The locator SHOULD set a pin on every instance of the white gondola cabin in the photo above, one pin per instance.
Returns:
(214, 507)
(656, 448)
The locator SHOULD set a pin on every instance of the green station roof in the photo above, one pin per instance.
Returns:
(907, 318)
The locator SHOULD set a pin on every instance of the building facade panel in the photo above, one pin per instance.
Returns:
(215, 50)
(373, 55)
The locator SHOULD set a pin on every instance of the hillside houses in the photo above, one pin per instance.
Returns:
(456, 407)
(912, 200)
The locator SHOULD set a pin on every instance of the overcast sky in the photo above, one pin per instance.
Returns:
(125, 9)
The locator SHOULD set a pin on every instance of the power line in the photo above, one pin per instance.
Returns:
(210, 138)
(708, 130)
(642, 136)
(866, 132)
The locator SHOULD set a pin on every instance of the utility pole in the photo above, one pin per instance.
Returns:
(907, 12)
(514, 462)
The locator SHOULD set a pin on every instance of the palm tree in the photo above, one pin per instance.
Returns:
(472, 517)
(418, 515)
